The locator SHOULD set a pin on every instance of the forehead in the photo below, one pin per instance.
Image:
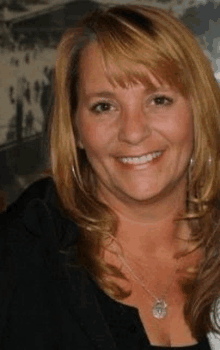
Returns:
(91, 66)
(94, 73)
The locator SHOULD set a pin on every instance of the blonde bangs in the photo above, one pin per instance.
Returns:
(129, 57)
(125, 72)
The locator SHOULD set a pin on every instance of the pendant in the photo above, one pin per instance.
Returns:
(160, 309)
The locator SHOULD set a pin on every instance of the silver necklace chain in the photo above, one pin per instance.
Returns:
(160, 307)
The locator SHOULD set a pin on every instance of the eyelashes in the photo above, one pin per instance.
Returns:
(159, 100)
(101, 107)
(162, 100)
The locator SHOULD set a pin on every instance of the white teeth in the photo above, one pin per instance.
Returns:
(140, 160)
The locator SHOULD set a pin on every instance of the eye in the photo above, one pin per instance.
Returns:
(102, 107)
(162, 100)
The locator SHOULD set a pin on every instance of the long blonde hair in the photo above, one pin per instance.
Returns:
(131, 37)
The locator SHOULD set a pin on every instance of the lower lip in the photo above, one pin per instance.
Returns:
(141, 166)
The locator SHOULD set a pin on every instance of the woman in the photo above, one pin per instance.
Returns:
(120, 248)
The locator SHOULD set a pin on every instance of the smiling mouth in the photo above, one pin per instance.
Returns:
(140, 160)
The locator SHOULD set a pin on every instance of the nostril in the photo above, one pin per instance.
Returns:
(134, 131)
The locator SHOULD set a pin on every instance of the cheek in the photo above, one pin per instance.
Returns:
(95, 138)
(187, 130)
(182, 129)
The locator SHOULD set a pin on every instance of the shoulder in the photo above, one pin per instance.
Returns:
(33, 229)
(33, 233)
(37, 206)
(42, 190)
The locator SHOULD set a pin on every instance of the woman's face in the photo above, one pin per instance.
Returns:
(138, 141)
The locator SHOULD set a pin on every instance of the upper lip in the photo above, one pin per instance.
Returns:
(137, 156)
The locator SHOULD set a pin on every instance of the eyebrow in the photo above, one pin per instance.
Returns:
(110, 94)
(100, 94)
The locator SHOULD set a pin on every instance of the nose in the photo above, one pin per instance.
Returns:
(134, 127)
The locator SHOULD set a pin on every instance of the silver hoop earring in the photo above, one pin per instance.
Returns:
(190, 169)
(191, 162)
(73, 171)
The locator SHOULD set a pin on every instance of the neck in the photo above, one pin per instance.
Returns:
(165, 239)
(151, 230)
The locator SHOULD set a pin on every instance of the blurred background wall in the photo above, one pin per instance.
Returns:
(29, 33)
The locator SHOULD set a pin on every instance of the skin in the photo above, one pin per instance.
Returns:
(116, 122)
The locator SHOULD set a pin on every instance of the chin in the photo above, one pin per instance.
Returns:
(142, 196)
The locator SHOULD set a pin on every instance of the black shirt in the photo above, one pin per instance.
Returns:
(44, 307)
(127, 329)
